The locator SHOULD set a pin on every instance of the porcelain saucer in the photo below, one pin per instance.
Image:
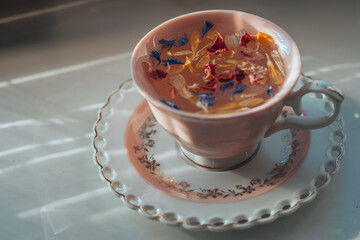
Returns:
(144, 166)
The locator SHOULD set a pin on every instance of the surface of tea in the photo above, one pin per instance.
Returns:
(213, 72)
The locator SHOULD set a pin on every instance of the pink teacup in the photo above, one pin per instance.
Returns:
(221, 142)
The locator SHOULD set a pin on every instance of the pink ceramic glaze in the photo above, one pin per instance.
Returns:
(226, 135)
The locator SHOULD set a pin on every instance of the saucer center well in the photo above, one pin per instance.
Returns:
(212, 164)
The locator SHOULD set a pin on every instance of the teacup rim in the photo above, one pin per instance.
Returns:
(291, 77)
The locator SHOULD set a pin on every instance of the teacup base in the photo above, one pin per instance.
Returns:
(217, 164)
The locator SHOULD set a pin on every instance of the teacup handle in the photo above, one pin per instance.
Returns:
(308, 122)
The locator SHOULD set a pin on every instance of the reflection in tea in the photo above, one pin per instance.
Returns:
(213, 72)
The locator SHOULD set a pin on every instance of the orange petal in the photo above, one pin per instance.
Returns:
(266, 42)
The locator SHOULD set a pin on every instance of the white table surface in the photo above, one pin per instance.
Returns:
(60, 60)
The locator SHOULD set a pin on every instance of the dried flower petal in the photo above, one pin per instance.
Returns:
(226, 85)
(207, 26)
(183, 41)
(178, 81)
(226, 66)
(194, 40)
(269, 91)
(155, 54)
(254, 78)
(248, 66)
(240, 97)
(147, 67)
(210, 85)
(217, 47)
(173, 92)
(167, 43)
(278, 61)
(213, 35)
(158, 74)
(228, 54)
(226, 76)
(234, 106)
(189, 65)
(276, 77)
(170, 104)
(253, 56)
(245, 39)
(171, 61)
(202, 62)
(266, 42)
(239, 89)
(210, 69)
(203, 50)
(181, 53)
(173, 69)
(208, 99)
(239, 74)
(230, 42)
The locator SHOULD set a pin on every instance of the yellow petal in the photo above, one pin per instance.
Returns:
(228, 54)
(182, 53)
(173, 69)
(195, 40)
(189, 65)
(213, 35)
(278, 61)
(203, 51)
(266, 42)
(276, 77)
(202, 62)
(240, 97)
(235, 106)
(226, 66)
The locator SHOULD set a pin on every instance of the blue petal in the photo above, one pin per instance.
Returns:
(269, 91)
(170, 104)
(167, 43)
(207, 26)
(182, 41)
(155, 54)
(207, 99)
(171, 61)
(226, 85)
(239, 89)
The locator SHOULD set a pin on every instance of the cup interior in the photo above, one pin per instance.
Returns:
(231, 22)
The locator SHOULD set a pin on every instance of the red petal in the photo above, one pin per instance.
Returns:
(158, 74)
(245, 39)
(217, 47)
(239, 74)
